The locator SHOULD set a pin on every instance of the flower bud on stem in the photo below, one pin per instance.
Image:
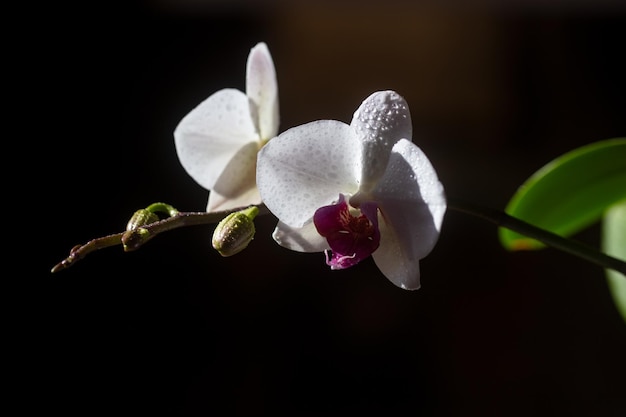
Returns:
(143, 230)
(235, 231)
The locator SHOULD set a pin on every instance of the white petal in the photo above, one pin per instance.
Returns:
(410, 177)
(236, 185)
(305, 168)
(262, 89)
(218, 202)
(412, 203)
(393, 261)
(212, 133)
(301, 239)
(380, 121)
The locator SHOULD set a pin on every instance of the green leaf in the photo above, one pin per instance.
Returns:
(570, 193)
(614, 244)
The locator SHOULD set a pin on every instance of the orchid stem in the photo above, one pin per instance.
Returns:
(135, 238)
(501, 219)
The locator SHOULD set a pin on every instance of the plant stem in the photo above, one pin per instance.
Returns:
(134, 239)
(501, 219)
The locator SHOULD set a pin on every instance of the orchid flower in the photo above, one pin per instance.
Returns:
(218, 141)
(355, 190)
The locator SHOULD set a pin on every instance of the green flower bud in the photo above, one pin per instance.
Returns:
(134, 238)
(141, 218)
(235, 231)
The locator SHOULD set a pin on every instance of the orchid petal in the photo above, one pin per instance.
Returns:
(219, 202)
(304, 168)
(392, 260)
(211, 134)
(411, 178)
(412, 203)
(262, 89)
(380, 121)
(301, 239)
(236, 185)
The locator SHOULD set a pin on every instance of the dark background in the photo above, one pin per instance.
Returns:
(174, 329)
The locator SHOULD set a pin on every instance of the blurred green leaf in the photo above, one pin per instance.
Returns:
(570, 193)
(614, 244)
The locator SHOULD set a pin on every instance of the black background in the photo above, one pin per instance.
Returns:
(174, 329)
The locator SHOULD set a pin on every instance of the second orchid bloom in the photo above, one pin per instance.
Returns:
(355, 190)
(218, 141)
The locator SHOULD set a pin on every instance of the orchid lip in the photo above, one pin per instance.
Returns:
(351, 233)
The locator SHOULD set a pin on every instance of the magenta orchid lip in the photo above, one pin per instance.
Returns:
(352, 237)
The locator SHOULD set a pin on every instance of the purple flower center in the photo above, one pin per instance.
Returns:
(351, 235)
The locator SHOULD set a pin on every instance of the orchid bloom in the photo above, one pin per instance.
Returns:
(355, 190)
(218, 141)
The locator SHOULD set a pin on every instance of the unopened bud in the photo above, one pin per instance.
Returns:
(235, 231)
(133, 239)
(141, 218)
(136, 235)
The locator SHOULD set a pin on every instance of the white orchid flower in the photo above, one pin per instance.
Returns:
(355, 190)
(218, 141)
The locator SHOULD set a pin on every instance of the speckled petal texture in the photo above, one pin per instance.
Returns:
(305, 168)
(211, 134)
(380, 121)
